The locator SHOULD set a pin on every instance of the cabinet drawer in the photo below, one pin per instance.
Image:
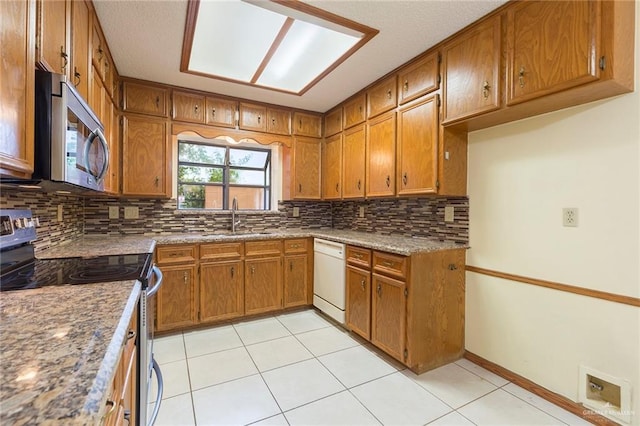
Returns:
(263, 248)
(382, 97)
(221, 251)
(390, 264)
(359, 257)
(298, 245)
(171, 254)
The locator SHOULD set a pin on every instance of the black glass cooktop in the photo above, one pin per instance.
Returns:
(47, 272)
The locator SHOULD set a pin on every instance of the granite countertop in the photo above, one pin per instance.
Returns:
(60, 348)
(389, 243)
(100, 245)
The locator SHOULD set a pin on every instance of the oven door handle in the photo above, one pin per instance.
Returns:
(159, 277)
(156, 408)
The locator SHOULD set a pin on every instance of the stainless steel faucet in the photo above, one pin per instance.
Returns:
(234, 208)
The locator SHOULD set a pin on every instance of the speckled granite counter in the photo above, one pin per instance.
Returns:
(100, 245)
(59, 350)
(389, 243)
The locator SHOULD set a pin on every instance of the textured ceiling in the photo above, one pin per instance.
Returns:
(145, 38)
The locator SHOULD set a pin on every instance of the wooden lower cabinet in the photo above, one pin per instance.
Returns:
(221, 290)
(388, 315)
(296, 280)
(176, 300)
(263, 285)
(359, 301)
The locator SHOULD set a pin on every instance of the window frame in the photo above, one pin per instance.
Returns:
(227, 168)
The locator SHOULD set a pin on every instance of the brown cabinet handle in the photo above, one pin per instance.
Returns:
(300, 124)
(362, 283)
(485, 89)
(157, 181)
(213, 112)
(387, 263)
(521, 76)
(359, 184)
(195, 109)
(65, 57)
(404, 178)
(337, 187)
(299, 187)
(253, 270)
(273, 122)
(100, 53)
(357, 255)
(379, 290)
(131, 334)
(157, 101)
(452, 267)
(76, 77)
(259, 118)
(111, 404)
(406, 85)
(388, 181)
(184, 276)
(291, 265)
(233, 270)
(389, 94)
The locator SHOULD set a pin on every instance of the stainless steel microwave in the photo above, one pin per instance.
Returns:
(70, 152)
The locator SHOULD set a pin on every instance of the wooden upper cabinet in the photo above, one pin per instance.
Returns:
(471, 65)
(381, 156)
(188, 107)
(80, 57)
(332, 168)
(17, 38)
(333, 122)
(354, 149)
(307, 125)
(417, 149)
(279, 121)
(146, 158)
(355, 111)
(306, 168)
(382, 97)
(418, 78)
(221, 112)
(253, 117)
(551, 46)
(145, 99)
(98, 49)
(53, 34)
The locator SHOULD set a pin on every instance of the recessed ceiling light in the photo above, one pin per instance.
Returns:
(281, 45)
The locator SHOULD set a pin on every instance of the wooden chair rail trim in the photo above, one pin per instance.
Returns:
(563, 402)
(611, 297)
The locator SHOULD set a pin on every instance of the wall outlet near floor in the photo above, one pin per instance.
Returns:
(361, 212)
(449, 211)
(570, 217)
(60, 212)
(131, 212)
(606, 395)
(114, 212)
(296, 212)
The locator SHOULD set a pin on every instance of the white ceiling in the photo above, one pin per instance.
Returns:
(145, 39)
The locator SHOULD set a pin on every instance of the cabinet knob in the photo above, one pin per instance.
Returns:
(259, 118)
(485, 89)
(362, 283)
(185, 277)
(452, 267)
(195, 109)
(213, 112)
(389, 94)
(521, 76)
(273, 122)
(406, 85)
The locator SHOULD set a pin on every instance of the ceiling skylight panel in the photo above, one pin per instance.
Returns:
(231, 38)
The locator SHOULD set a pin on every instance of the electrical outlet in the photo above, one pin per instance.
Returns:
(570, 217)
(114, 212)
(448, 213)
(296, 212)
(131, 212)
(60, 212)
(361, 212)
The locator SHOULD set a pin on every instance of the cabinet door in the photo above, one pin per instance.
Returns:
(53, 35)
(418, 147)
(188, 107)
(552, 46)
(145, 157)
(221, 290)
(382, 97)
(354, 159)
(80, 47)
(307, 125)
(278, 121)
(388, 315)
(176, 299)
(381, 156)
(332, 168)
(306, 168)
(17, 38)
(112, 181)
(253, 117)
(221, 112)
(296, 280)
(418, 78)
(358, 310)
(354, 111)
(333, 122)
(471, 64)
(143, 99)
(262, 285)
(98, 49)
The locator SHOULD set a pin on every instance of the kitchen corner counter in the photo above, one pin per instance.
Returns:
(60, 349)
(100, 245)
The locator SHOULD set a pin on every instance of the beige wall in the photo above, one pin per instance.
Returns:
(521, 175)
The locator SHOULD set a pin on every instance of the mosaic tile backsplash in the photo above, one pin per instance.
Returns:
(421, 217)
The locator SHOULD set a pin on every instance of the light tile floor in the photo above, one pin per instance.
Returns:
(300, 369)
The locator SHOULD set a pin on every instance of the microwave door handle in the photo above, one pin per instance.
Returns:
(159, 279)
(87, 147)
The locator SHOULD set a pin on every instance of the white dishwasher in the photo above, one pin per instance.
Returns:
(329, 278)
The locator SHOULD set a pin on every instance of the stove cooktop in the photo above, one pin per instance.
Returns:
(75, 270)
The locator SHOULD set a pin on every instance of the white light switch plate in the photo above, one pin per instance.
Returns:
(60, 213)
(296, 212)
(114, 212)
(131, 212)
(448, 213)
(361, 211)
